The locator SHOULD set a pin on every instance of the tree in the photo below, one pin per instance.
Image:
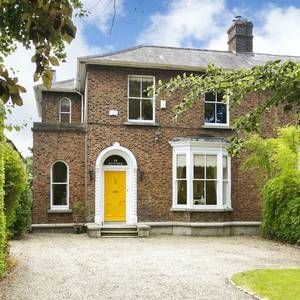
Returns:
(45, 26)
(279, 79)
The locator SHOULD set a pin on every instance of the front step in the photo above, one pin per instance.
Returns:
(116, 230)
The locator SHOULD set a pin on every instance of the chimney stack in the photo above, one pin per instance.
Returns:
(240, 37)
(53, 75)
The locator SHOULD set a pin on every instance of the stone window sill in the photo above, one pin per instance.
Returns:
(151, 124)
(216, 127)
(202, 209)
(59, 211)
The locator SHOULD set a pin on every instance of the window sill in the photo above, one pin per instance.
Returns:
(59, 211)
(202, 209)
(129, 123)
(206, 126)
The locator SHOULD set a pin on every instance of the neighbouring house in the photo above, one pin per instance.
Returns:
(105, 142)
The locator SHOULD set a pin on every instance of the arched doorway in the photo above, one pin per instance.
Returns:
(116, 186)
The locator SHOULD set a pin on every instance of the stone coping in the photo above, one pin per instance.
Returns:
(201, 224)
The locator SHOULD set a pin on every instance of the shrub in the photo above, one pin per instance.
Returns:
(281, 207)
(15, 182)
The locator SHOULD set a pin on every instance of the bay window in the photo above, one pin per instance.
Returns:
(201, 175)
(140, 103)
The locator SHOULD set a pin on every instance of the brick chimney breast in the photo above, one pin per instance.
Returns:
(240, 37)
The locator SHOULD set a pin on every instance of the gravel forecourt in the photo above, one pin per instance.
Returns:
(68, 266)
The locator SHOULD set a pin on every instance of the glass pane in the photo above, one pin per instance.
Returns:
(147, 110)
(211, 192)
(210, 96)
(59, 194)
(225, 192)
(209, 113)
(134, 109)
(220, 97)
(199, 165)
(181, 192)
(221, 113)
(181, 166)
(211, 166)
(65, 118)
(146, 83)
(59, 172)
(65, 105)
(198, 190)
(134, 87)
(225, 168)
(115, 160)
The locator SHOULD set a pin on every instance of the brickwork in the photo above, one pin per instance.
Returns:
(107, 90)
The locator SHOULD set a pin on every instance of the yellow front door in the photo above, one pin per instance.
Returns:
(115, 196)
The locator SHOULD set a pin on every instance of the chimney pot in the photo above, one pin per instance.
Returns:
(240, 36)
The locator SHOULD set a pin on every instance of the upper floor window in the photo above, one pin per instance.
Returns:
(59, 185)
(216, 111)
(65, 110)
(140, 104)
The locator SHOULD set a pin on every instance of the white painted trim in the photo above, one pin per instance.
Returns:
(65, 113)
(153, 99)
(59, 207)
(189, 148)
(131, 182)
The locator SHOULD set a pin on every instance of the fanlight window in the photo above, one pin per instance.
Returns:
(59, 185)
(65, 110)
(115, 160)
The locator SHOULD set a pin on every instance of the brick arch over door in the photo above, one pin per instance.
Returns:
(131, 183)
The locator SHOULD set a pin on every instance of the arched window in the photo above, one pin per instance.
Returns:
(59, 185)
(115, 160)
(65, 110)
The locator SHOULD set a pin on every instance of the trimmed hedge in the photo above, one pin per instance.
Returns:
(281, 208)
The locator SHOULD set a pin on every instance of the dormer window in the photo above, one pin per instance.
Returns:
(140, 103)
(65, 110)
(216, 110)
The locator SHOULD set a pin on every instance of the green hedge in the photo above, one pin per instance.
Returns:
(281, 208)
(14, 184)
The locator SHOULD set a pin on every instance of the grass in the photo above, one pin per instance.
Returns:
(273, 284)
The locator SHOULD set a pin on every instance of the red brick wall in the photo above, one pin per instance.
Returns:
(50, 106)
(107, 90)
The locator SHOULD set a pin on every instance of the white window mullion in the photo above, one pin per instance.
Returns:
(220, 179)
(189, 177)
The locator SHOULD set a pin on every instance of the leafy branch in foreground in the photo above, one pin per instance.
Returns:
(44, 25)
(279, 80)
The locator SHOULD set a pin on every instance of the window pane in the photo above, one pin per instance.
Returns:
(115, 160)
(210, 97)
(65, 105)
(181, 166)
(198, 190)
(59, 172)
(211, 192)
(59, 194)
(199, 165)
(134, 87)
(146, 83)
(134, 109)
(211, 167)
(221, 113)
(220, 97)
(181, 192)
(225, 168)
(65, 118)
(147, 109)
(209, 113)
(225, 192)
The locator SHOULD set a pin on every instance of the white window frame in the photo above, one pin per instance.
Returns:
(65, 113)
(141, 98)
(190, 148)
(58, 207)
(227, 113)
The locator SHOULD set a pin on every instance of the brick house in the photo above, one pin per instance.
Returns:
(105, 142)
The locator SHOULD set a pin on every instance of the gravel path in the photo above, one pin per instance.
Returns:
(67, 266)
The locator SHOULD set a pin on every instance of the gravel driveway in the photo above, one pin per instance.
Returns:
(67, 266)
